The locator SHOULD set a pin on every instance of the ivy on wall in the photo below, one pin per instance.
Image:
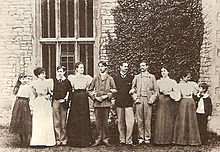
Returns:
(163, 32)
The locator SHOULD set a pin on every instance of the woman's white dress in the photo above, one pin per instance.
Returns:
(42, 121)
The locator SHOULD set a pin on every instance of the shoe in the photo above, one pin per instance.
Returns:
(95, 144)
(122, 143)
(147, 141)
(130, 145)
(108, 144)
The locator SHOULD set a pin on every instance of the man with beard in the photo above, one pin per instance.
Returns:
(145, 90)
(124, 104)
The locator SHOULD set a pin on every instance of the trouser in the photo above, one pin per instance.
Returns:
(202, 123)
(125, 124)
(102, 114)
(59, 119)
(144, 113)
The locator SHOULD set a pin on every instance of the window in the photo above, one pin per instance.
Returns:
(66, 34)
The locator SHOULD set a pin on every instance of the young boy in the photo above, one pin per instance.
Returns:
(204, 111)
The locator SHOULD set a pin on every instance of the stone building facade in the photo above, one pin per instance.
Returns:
(26, 41)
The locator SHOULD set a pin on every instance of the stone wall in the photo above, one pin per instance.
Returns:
(107, 25)
(210, 59)
(16, 44)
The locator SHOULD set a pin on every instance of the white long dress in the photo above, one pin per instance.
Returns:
(42, 121)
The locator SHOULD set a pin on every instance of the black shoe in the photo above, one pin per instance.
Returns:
(122, 144)
(108, 144)
(130, 145)
(95, 144)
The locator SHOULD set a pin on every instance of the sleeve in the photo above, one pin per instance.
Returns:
(50, 86)
(112, 86)
(195, 88)
(89, 80)
(134, 83)
(175, 93)
(156, 88)
(91, 89)
(210, 107)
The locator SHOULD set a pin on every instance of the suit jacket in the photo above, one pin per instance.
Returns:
(145, 86)
(207, 105)
(123, 86)
(102, 87)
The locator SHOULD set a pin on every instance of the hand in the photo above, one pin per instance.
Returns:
(150, 102)
(137, 101)
(62, 100)
(98, 99)
(209, 118)
(131, 91)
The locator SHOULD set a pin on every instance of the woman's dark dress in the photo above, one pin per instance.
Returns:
(78, 125)
(21, 117)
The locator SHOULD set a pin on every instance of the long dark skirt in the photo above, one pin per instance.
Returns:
(78, 124)
(21, 117)
(164, 121)
(186, 130)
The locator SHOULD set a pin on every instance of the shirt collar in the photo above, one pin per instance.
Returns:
(104, 75)
(145, 74)
(123, 75)
(63, 78)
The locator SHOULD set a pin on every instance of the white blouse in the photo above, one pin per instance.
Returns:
(170, 87)
(80, 81)
(187, 89)
(25, 91)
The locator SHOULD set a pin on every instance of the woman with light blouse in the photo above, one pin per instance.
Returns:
(186, 131)
(78, 124)
(165, 112)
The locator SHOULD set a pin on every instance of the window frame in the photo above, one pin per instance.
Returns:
(76, 40)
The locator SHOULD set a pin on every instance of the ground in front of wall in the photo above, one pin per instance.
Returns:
(10, 143)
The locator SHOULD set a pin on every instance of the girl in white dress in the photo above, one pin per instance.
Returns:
(42, 122)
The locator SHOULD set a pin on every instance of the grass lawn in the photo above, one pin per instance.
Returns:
(10, 143)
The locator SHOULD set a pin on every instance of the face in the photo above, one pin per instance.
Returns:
(80, 69)
(42, 75)
(102, 68)
(143, 67)
(187, 78)
(22, 80)
(60, 73)
(202, 90)
(164, 72)
(124, 67)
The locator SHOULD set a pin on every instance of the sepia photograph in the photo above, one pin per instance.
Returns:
(110, 75)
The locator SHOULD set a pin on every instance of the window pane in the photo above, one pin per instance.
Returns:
(48, 18)
(86, 18)
(67, 57)
(44, 18)
(67, 18)
(49, 59)
(86, 57)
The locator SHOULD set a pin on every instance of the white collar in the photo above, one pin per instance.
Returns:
(63, 78)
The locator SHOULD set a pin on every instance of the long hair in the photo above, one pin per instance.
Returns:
(18, 83)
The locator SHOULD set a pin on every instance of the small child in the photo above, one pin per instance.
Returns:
(21, 114)
(204, 111)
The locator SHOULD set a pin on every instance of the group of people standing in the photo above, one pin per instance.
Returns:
(40, 115)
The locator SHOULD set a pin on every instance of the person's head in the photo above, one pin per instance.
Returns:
(143, 66)
(79, 67)
(24, 79)
(203, 87)
(123, 67)
(61, 70)
(164, 72)
(102, 66)
(40, 73)
(185, 75)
